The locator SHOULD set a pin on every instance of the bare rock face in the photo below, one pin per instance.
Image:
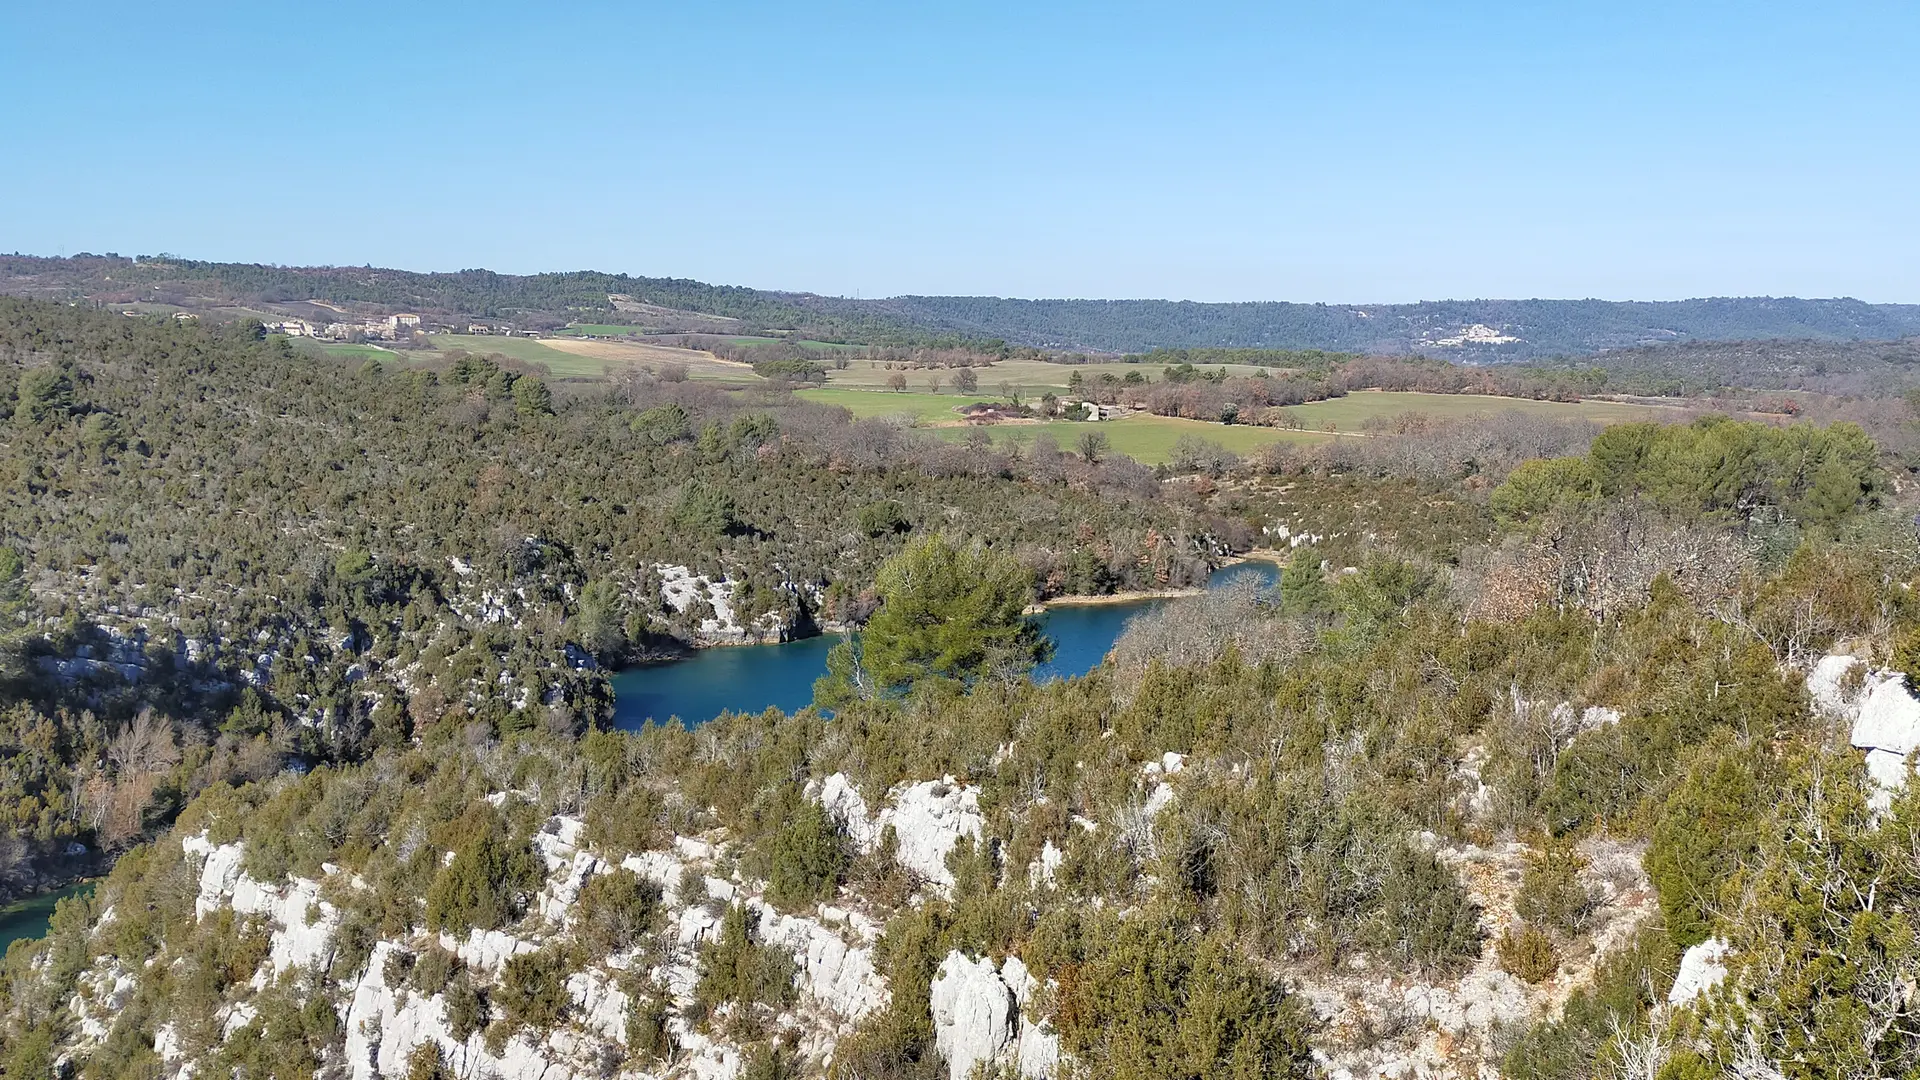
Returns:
(1884, 715)
(1702, 967)
(928, 819)
(681, 589)
(978, 1018)
(832, 953)
(844, 803)
(974, 1017)
(1486, 998)
(303, 924)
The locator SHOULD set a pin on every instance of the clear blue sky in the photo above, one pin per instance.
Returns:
(1328, 151)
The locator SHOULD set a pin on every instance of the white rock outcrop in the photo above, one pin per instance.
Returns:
(928, 820)
(833, 956)
(302, 923)
(1883, 712)
(839, 975)
(1702, 967)
(844, 803)
(978, 1018)
(974, 1016)
(1827, 686)
(681, 588)
(1486, 998)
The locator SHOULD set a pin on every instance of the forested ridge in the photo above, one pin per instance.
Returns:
(1543, 327)
(1538, 328)
(542, 301)
(1529, 720)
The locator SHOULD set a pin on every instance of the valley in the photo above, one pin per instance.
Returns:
(389, 683)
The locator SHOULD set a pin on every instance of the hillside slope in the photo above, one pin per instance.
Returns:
(1475, 330)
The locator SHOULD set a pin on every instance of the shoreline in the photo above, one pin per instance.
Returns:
(1266, 555)
(1131, 596)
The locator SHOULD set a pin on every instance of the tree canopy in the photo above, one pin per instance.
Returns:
(950, 613)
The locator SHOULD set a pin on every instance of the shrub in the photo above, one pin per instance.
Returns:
(1705, 831)
(533, 989)
(433, 969)
(614, 911)
(425, 1063)
(485, 885)
(1424, 916)
(705, 508)
(809, 857)
(883, 518)
(625, 821)
(1528, 953)
(769, 1061)
(467, 1007)
(647, 1032)
(1551, 893)
(734, 968)
(1153, 998)
(397, 972)
(1572, 1045)
(353, 946)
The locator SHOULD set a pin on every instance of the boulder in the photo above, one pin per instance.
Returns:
(974, 1015)
(1702, 967)
(1889, 717)
(930, 818)
(978, 1018)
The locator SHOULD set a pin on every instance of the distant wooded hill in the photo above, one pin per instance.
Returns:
(1471, 330)
(1485, 330)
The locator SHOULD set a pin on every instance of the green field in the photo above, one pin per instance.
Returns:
(1031, 377)
(922, 408)
(1150, 439)
(1147, 439)
(562, 364)
(1351, 412)
(358, 352)
(601, 330)
(816, 346)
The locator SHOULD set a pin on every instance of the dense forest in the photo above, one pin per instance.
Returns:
(1508, 330)
(1541, 719)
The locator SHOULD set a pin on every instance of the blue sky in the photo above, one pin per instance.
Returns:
(1329, 151)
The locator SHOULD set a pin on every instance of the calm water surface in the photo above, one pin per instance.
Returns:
(748, 678)
(29, 918)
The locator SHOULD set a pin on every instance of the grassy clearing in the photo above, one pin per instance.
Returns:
(1031, 377)
(347, 351)
(815, 346)
(595, 357)
(602, 330)
(527, 349)
(923, 408)
(1351, 412)
(1147, 439)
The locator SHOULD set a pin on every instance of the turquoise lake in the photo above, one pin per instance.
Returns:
(29, 918)
(748, 678)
